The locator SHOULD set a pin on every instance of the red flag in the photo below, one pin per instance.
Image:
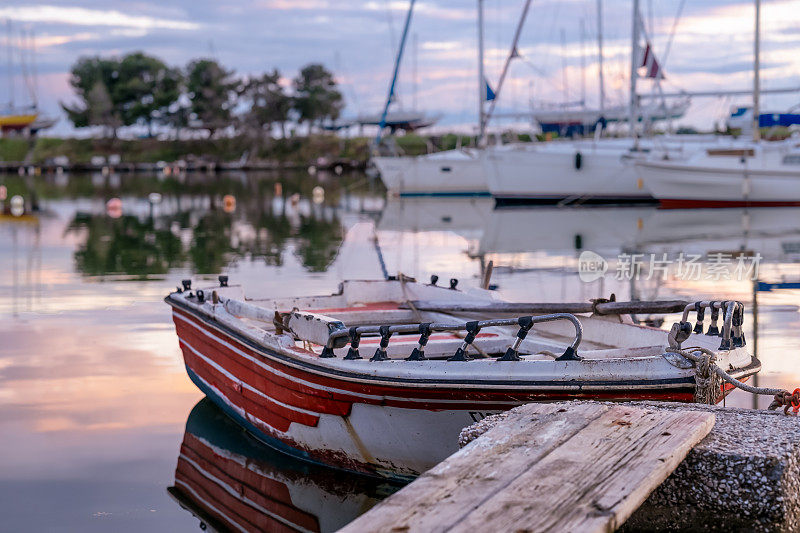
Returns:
(651, 63)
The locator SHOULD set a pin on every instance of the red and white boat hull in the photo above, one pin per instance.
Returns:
(394, 418)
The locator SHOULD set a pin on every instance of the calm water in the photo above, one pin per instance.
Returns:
(95, 406)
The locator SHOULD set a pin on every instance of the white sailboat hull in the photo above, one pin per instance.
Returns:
(689, 185)
(451, 173)
(530, 174)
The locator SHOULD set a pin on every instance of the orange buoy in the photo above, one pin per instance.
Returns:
(229, 203)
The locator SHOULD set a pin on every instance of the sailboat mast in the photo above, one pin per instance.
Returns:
(414, 75)
(512, 54)
(564, 67)
(583, 64)
(34, 72)
(634, 67)
(481, 78)
(10, 66)
(392, 86)
(600, 55)
(757, 76)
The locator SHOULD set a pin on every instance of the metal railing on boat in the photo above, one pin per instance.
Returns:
(472, 328)
(732, 331)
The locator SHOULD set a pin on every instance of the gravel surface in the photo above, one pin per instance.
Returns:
(744, 476)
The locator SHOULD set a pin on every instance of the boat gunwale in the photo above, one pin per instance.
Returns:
(421, 383)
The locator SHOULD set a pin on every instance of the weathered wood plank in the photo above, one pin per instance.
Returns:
(599, 477)
(447, 492)
(546, 467)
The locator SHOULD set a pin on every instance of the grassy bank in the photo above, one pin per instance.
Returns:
(295, 150)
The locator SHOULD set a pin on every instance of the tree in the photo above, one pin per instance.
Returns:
(94, 79)
(100, 109)
(211, 91)
(267, 103)
(145, 89)
(316, 96)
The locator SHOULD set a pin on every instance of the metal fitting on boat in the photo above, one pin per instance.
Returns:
(327, 352)
(380, 353)
(223, 281)
(525, 325)
(578, 160)
(713, 329)
(679, 332)
(473, 328)
(569, 355)
(737, 337)
(701, 314)
(434, 279)
(453, 283)
(355, 339)
(187, 284)
(418, 353)
(201, 296)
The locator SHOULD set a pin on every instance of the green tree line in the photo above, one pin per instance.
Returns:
(138, 89)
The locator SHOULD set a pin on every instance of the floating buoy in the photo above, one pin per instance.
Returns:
(3, 193)
(338, 169)
(17, 205)
(318, 195)
(114, 208)
(154, 198)
(278, 188)
(312, 170)
(229, 203)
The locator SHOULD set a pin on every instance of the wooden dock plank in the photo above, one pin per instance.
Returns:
(547, 467)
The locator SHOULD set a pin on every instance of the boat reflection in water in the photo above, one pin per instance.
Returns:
(231, 482)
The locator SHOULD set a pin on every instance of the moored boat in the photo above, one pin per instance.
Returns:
(380, 377)
(760, 175)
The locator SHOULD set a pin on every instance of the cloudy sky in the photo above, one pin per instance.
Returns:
(711, 49)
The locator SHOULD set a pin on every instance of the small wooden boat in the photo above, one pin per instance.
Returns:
(380, 377)
(231, 482)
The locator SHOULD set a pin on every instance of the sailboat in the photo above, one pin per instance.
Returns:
(765, 174)
(599, 169)
(22, 118)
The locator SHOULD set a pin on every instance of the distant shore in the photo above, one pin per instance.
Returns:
(228, 153)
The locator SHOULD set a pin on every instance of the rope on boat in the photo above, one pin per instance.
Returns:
(709, 378)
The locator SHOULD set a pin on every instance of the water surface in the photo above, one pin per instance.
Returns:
(95, 406)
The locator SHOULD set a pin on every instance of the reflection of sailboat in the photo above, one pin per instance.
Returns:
(465, 216)
(518, 230)
(560, 229)
(774, 233)
(231, 482)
